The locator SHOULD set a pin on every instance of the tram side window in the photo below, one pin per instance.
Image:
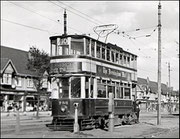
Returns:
(92, 48)
(127, 93)
(112, 56)
(98, 50)
(124, 60)
(111, 89)
(121, 92)
(117, 58)
(108, 53)
(53, 47)
(77, 46)
(101, 91)
(103, 53)
(87, 46)
(120, 58)
(75, 87)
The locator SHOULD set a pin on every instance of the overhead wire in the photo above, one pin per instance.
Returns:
(34, 12)
(26, 25)
(43, 16)
(81, 12)
(73, 12)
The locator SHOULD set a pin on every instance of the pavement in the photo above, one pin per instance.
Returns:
(147, 128)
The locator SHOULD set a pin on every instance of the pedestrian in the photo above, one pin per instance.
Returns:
(137, 109)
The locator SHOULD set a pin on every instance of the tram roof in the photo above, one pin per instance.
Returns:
(76, 36)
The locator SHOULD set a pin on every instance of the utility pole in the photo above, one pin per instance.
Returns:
(159, 66)
(169, 89)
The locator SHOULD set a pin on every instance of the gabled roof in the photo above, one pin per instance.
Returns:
(153, 85)
(18, 57)
(4, 64)
(141, 81)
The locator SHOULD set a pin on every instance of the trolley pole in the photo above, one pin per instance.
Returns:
(159, 66)
(76, 125)
(111, 112)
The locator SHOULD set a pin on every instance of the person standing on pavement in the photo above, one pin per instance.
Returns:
(137, 109)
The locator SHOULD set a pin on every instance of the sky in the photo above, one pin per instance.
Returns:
(31, 23)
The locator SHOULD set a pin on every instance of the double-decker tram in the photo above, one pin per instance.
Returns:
(84, 71)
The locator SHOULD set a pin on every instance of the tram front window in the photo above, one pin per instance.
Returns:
(75, 87)
(77, 46)
(53, 47)
(64, 88)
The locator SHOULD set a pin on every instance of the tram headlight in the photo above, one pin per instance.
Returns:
(63, 108)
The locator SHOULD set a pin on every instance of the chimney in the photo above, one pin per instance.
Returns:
(65, 23)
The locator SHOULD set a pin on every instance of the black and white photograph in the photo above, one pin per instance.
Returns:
(89, 69)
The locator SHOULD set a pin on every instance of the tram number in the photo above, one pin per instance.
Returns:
(63, 102)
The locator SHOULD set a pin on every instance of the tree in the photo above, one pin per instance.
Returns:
(39, 63)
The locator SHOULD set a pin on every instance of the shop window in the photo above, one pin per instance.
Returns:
(75, 87)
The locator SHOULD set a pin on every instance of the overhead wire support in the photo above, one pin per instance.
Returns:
(159, 66)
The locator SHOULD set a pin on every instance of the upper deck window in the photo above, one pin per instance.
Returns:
(53, 47)
(63, 47)
(112, 56)
(77, 46)
(103, 53)
(92, 48)
(87, 46)
(108, 53)
(98, 51)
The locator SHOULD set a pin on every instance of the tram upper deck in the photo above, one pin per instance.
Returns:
(80, 53)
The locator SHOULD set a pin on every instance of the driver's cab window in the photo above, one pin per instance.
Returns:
(64, 88)
(75, 87)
